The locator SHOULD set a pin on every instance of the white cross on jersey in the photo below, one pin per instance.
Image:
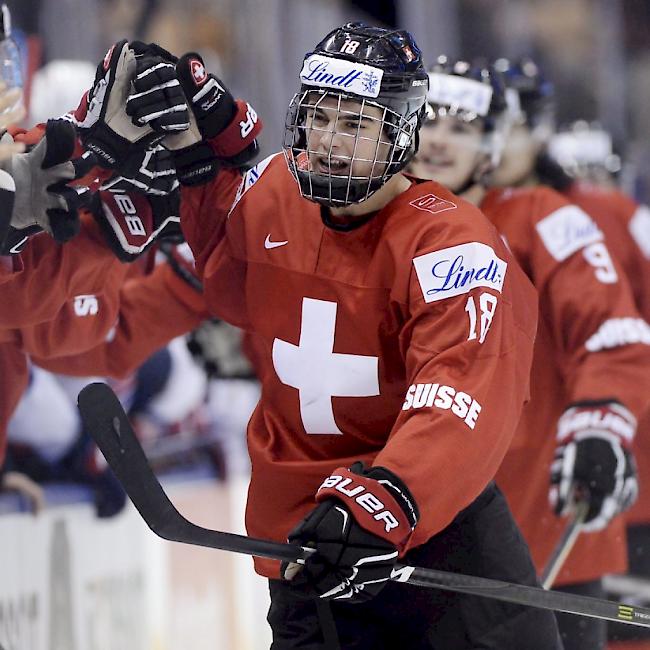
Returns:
(319, 373)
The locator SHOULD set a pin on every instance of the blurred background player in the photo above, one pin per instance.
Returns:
(575, 426)
(580, 163)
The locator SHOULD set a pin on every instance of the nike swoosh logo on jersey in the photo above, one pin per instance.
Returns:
(268, 244)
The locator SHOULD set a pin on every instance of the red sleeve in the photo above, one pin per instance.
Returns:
(468, 355)
(204, 214)
(603, 342)
(153, 310)
(34, 135)
(50, 274)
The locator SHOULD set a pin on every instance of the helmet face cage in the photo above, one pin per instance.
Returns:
(335, 161)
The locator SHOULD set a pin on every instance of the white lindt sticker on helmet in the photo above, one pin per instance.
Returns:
(460, 93)
(348, 76)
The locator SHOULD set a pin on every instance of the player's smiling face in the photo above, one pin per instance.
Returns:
(518, 158)
(345, 139)
(450, 151)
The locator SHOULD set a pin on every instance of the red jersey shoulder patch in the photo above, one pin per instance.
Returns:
(432, 203)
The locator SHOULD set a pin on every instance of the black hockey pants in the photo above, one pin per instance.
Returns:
(483, 540)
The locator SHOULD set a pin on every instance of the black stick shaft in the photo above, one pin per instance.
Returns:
(106, 421)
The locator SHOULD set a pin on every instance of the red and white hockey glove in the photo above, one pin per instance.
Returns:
(222, 130)
(362, 525)
(594, 461)
(102, 121)
(131, 223)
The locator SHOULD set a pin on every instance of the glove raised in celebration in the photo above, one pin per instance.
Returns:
(361, 527)
(43, 199)
(158, 100)
(593, 461)
(223, 130)
(102, 121)
(132, 222)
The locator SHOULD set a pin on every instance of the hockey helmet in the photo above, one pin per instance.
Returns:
(468, 92)
(530, 96)
(356, 74)
(584, 150)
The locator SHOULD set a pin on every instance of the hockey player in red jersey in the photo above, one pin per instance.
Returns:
(625, 225)
(587, 388)
(395, 338)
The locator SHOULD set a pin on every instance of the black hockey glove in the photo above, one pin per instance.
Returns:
(131, 223)
(43, 198)
(360, 528)
(158, 100)
(222, 130)
(150, 172)
(103, 124)
(593, 461)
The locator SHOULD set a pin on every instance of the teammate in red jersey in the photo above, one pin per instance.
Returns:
(571, 161)
(586, 388)
(359, 285)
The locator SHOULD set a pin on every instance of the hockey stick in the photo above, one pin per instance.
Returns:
(565, 545)
(105, 420)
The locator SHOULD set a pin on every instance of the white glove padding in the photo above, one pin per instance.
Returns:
(43, 197)
(101, 120)
(593, 461)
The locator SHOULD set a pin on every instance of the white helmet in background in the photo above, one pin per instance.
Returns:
(58, 87)
(583, 148)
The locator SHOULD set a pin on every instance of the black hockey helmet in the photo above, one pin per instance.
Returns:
(531, 97)
(356, 70)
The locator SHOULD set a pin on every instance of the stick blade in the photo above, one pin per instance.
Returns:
(107, 423)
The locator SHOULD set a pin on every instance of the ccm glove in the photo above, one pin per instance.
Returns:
(131, 223)
(222, 129)
(362, 525)
(43, 199)
(594, 461)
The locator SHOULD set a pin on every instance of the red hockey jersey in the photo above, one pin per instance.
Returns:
(626, 226)
(405, 343)
(585, 350)
(108, 333)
